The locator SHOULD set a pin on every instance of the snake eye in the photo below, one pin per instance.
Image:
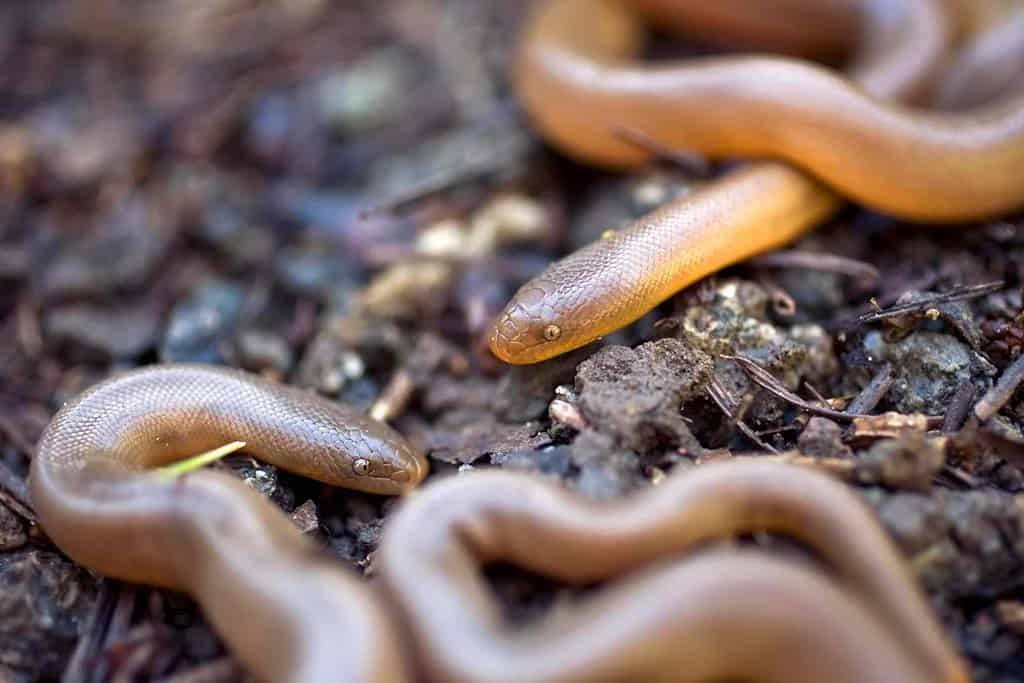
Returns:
(551, 332)
(361, 466)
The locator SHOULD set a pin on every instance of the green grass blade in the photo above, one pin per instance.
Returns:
(195, 462)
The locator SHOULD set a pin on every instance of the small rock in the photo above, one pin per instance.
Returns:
(235, 232)
(115, 331)
(354, 525)
(335, 362)
(930, 369)
(305, 517)
(555, 460)
(823, 438)
(909, 462)
(606, 471)
(282, 130)
(81, 145)
(465, 436)
(733, 319)
(260, 350)
(201, 325)
(815, 292)
(512, 219)
(317, 272)
(524, 391)
(260, 476)
(318, 211)
(410, 289)
(373, 93)
(958, 316)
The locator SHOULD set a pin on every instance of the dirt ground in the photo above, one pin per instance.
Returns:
(342, 196)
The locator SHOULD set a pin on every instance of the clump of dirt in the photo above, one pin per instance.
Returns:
(635, 395)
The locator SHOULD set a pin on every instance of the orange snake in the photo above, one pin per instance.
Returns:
(579, 85)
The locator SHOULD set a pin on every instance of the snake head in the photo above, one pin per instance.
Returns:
(582, 297)
(529, 330)
(384, 464)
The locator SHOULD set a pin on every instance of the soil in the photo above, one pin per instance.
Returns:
(342, 196)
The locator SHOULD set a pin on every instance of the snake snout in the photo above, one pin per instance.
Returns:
(413, 471)
(505, 339)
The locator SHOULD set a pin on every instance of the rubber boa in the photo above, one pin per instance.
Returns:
(578, 85)
(686, 622)
(287, 612)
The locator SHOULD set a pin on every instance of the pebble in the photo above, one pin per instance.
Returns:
(314, 271)
(202, 323)
(116, 331)
(372, 93)
(260, 350)
(930, 369)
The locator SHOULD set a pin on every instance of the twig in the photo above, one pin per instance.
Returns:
(725, 403)
(811, 260)
(996, 397)
(817, 395)
(687, 161)
(395, 397)
(867, 400)
(767, 381)
(958, 408)
(409, 196)
(959, 294)
(960, 477)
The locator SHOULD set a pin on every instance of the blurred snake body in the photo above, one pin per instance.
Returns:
(669, 609)
(837, 135)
